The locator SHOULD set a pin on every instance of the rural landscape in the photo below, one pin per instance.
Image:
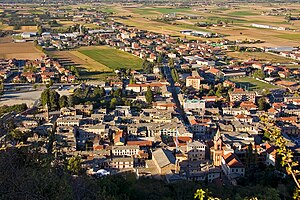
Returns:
(150, 99)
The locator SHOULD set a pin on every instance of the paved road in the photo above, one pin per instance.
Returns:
(172, 89)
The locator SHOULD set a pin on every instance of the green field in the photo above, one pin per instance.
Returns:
(241, 13)
(289, 36)
(113, 58)
(151, 11)
(250, 83)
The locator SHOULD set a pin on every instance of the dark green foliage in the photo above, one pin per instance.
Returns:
(149, 95)
(63, 101)
(174, 75)
(259, 74)
(16, 108)
(263, 105)
(50, 98)
(148, 67)
(27, 174)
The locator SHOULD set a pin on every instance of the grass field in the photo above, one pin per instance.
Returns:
(290, 36)
(250, 83)
(97, 62)
(241, 13)
(112, 58)
(266, 57)
(159, 10)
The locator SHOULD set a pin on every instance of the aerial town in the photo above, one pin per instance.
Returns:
(89, 96)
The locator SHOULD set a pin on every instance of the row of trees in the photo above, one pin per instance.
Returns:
(51, 99)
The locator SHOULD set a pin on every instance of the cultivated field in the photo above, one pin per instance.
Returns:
(250, 83)
(25, 50)
(98, 62)
(261, 56)
(112, 58)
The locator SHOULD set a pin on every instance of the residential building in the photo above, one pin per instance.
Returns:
(232, 167)
(194, 82)
(196, 151)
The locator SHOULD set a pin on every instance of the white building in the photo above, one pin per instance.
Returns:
(194, 104)
(125, 150)
(232, 166)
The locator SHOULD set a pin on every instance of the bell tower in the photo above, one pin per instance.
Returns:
(216, 149)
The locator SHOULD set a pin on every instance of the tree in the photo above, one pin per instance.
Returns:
(74, 164)
(159, 59)
(259, 74)
(131, 81)
(118, 93)
(262, 104)
(19, 135)
(291, 166)
(219, 91)
(174, 75)
(102, 92)
(71, 100)
(113, 103)
(171, 63)
(45, 97)
(211, 93)
(53, 100)
(148, 67)
(149, 95)
(63, 101)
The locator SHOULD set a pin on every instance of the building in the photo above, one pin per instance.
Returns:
(196, 151)
(194, 104)
(85, 110)
(164, 161)
(193, 81)
(216, 150)
(132, 150)
(232, 166)
(239, 96)
(121, 163)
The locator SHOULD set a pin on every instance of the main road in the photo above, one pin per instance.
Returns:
(172, 89)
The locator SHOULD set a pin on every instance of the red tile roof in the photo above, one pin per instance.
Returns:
(232, 160)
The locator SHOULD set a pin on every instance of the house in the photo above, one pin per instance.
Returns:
(134, 88)
(193, 81)
(121, 162)
(100, 130)
(194, 104)
(164, 161)
(85, 110)
(232, 166)
(131, 150)
(68, 121)
(243, 118)
(271, 154)
(70, 111)
(239, 96)
(196, 151)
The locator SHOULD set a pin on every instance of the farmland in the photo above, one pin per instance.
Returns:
(238, 19)
(19, 50)
(112, 58)
(98, 62)
(261, 56)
